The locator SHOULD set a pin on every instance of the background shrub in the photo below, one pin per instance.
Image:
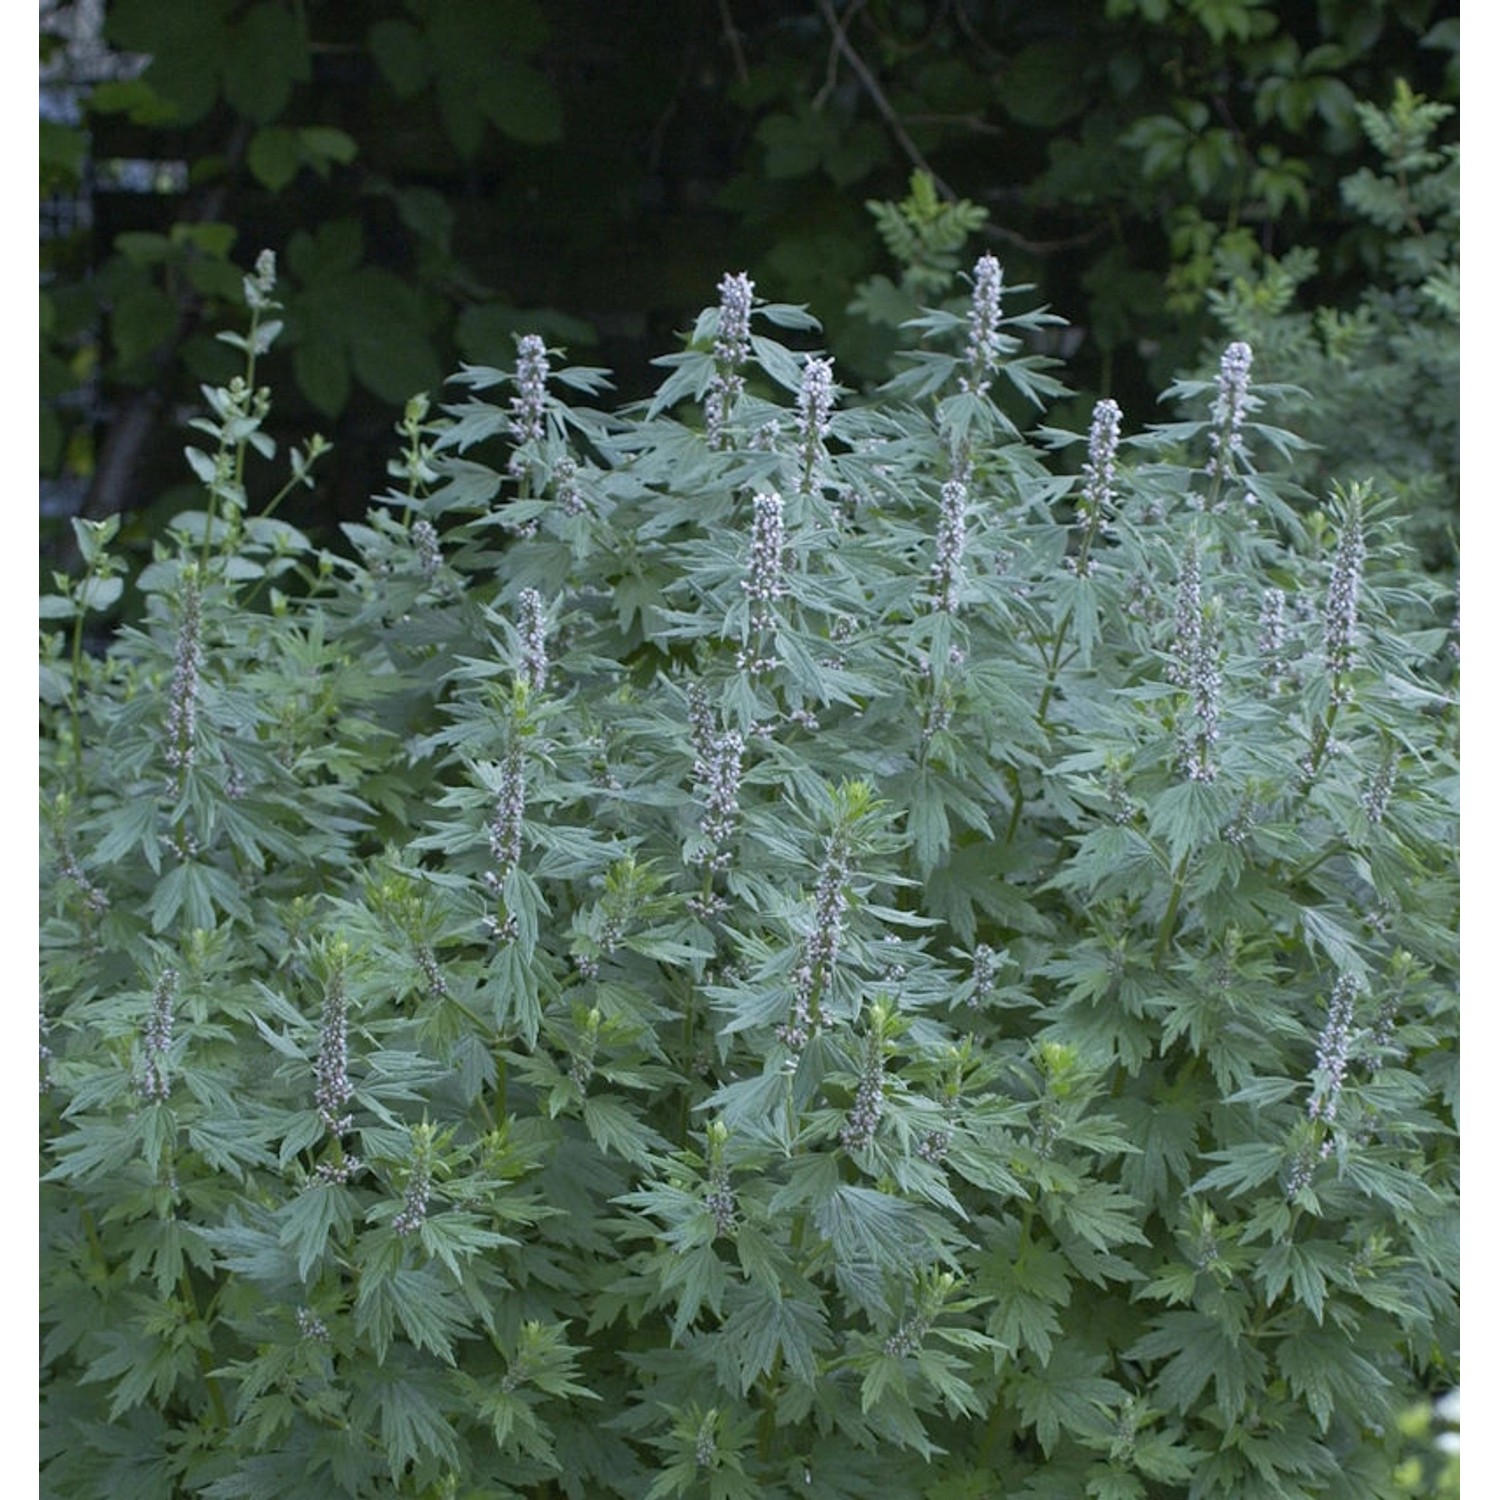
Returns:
(442, 173)
(753, 945)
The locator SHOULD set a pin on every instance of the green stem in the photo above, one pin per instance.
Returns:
(205, 1358)
(75, 698)
(1169, 917)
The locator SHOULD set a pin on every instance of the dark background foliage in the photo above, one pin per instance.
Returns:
(436, 175)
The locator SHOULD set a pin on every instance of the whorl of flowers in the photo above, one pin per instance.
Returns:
(763, 576)
(1341, 607)
(821, 949)
(1332, 1059)
(331, 1068)
(187, 667)
(509, 811)
(1099, 468)
(719, 1197)
(731, 350)
(437, 986)
(736, 298)
(864, 1114)
(529, 404)
(310, 1326)
(1194, 668)
(566, 489)
(1230, 406)
(814, 408)
(1271, 641)
(718, 775)
(155, 1083)
(947, 568)
(1377, 796)
(418, 1185)
(982, 353)
(706, 1444)
(984, 974)
(909, 1333)
(533, 633)
(424, 540)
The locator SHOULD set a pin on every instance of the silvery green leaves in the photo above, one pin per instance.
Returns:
(808, 925)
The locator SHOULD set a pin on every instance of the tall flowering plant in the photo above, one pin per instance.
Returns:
(766, 943)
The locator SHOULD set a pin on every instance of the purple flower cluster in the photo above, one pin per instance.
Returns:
(510, 809)
(720, 1201)
(1341, 607)
(533, 632)
(1377, 797)
(984, 974)
(731, 350)
(331, 1068)
(529, 405)
(1271, 642)
(814, 408)
(1194, 667)
(1332, 1059)
(155, 1084)
(763, 576)
(566, 489)
(736, 298)
(424, 540)
(821, 949)
(719, 776)
(418, 1191)
(864, 1114)
(982, 352)
(1230, 405)
(1099, 468)
(947, 569)
(187, 666)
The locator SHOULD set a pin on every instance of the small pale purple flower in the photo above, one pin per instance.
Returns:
(1341, 608)
(763, 577)
(1230, 406)
(736, 298)
(863, 1119)
(533, 633)
(331, 1068)
(510, 810)
(720, 779)
(1194, 667)
(947, 569)
(566, 489)
(1377, 797)
(982, 353)
(155, 1084)
(1099, 469)
(529, 404)
(814, 408)
(418, 1184)
(1332, 1060)
(424, 540)
(1271, 642)
(822, 946)
(187, 666)
(984, 974)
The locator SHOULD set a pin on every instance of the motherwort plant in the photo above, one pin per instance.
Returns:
(759, 944)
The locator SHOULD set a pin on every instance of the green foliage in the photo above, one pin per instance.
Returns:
(739, 946)
(1381, 378)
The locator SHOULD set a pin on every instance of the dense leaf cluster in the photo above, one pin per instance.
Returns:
(754, 946)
